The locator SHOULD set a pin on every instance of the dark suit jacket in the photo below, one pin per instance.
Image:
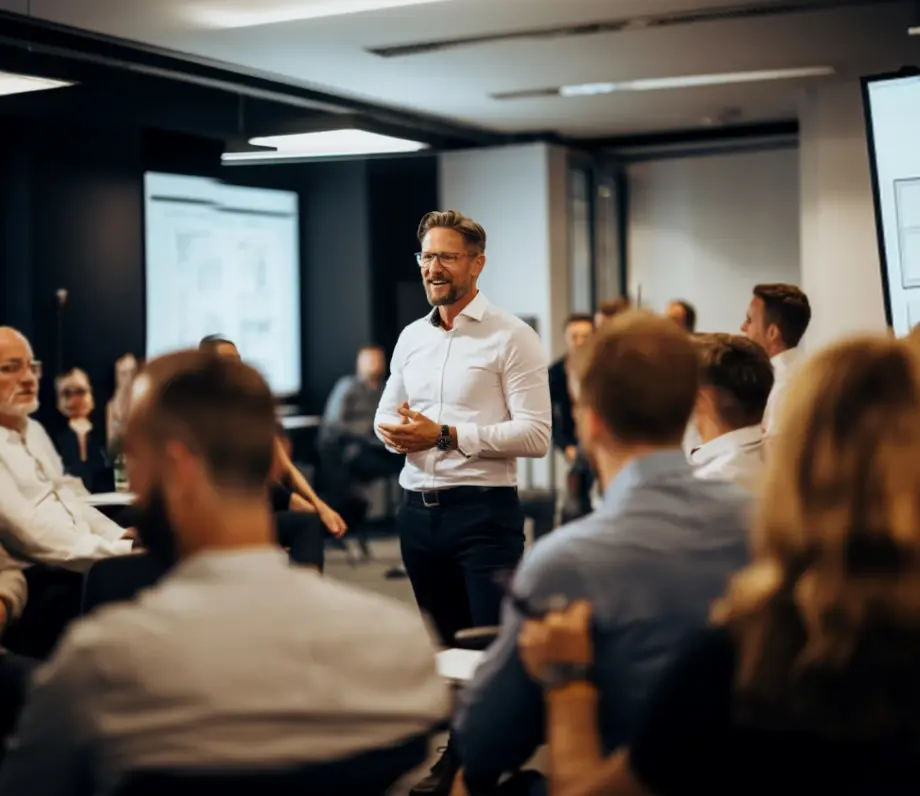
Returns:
(563, 420)
(96, 472)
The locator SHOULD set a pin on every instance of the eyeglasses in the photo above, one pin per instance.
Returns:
(17, 367)
(426, 259)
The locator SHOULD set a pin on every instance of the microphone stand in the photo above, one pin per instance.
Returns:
(61, 304)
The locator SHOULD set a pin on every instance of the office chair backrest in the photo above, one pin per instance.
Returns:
(367, 774)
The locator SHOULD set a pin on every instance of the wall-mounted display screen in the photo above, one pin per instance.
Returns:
(222, 259)
(893, 119)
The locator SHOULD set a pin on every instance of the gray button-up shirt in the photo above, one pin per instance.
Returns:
(651, 560)
(235, 659)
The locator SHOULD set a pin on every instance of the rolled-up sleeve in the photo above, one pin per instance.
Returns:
(13, 588)
(525, 382)
(394, 393)
(28, 537)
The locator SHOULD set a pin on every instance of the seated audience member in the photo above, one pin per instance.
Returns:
(651, 558)
(43, 515)
(578, 329)
(116, 410)
(610, 309)
(777, 318)
(81, 449)
(805, 682)
(351, 455)
(201, 671)
(735, 381)
(683, 313)
(216, 344)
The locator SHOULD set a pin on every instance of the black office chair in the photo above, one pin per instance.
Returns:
(367, 774)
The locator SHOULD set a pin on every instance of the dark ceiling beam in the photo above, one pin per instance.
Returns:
(698, 135)
(42, 37)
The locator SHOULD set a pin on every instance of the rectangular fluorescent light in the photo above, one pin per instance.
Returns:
(11, 83)
(693, 81)
(915, 31)
(325, 144)
(218, 16)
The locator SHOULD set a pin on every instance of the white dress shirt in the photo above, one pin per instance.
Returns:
(235, 658)
(784, 366)
(736, 456)
(488, 378)
(43, 514)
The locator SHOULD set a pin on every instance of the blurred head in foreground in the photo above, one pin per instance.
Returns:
(635, 383)
(827, 617)
(200, 487)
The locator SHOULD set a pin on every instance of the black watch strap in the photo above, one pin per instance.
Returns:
(560, 674)
(444, 443)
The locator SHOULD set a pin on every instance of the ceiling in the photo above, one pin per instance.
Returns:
(457, 83)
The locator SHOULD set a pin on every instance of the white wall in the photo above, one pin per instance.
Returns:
(518, 194)
(840, 261)
(708, 228)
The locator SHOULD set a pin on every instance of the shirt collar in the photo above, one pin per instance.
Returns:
(785, 359)
(747, 437)
(642, 470)
(476, 309)
(231, 563)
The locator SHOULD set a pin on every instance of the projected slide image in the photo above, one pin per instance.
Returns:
(224, 260)
(893, 111)
(907, 204)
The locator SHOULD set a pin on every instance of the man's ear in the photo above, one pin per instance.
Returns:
(773, 333)
(478, 264)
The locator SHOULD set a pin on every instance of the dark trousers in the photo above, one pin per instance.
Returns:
(54, 601)
(457, 553)
(15, 674)
(301, 532)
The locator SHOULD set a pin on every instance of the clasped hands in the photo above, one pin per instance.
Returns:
(561, 637)
(414, 434)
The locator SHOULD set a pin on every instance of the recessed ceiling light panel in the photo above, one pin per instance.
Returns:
(325, 144)
(227, 14)
(12, 83)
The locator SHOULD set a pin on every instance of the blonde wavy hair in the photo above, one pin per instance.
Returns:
(827, 617)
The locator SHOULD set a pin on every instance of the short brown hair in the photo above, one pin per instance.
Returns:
(221, 409)
(613, 307)
(473, 233)
(740, 372)
(640, 374)
(786, 307)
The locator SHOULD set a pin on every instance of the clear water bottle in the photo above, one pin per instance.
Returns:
(121, 474)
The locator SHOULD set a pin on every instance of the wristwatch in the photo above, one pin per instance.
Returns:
(560, 674)
(444, 442)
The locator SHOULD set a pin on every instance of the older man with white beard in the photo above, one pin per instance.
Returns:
(44, 518)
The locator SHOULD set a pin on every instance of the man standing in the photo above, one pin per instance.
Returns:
(467, 395)
(777, 317)
(683, 313)
(736, 378)
(578, 329)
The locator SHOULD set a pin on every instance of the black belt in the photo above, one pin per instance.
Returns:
(457, 495)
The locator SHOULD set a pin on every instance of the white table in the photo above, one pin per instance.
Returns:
(458, 666)
(110, 499)
(293, 422)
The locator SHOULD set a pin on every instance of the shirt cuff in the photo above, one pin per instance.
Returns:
(468, 441)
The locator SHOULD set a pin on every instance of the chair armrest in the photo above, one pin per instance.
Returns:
(476, 638)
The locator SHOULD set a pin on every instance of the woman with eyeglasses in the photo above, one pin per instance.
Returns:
(81, 448)
(808, 679)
